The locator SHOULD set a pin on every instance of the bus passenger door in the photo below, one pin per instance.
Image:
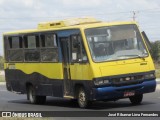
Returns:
(66, 67)
(79, 66)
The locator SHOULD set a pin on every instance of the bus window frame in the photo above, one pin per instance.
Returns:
(26, 48)
(9, 48)
(81, 42)
(41, 47)
(139, 32)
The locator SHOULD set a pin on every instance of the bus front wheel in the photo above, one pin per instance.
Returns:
(137, 99)
(34, 99)
(82, 98)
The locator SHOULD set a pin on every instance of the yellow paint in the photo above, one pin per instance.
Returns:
(85, 71)
(66, 23)
(81, 71)
(116, 67)
(81, 26)
(122, 67)
(50, 70)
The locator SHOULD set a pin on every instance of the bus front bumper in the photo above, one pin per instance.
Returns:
(114, 93)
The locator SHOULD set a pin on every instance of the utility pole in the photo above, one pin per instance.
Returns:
(134, 15)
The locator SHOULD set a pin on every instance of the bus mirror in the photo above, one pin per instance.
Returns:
(146, 40)
(82, 61)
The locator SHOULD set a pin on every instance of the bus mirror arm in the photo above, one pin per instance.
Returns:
(82, 61)
(146, 40)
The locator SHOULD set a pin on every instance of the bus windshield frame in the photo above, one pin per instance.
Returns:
(118, 42)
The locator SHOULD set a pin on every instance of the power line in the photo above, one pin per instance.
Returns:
(88, 14)
(108, 13)
(133, 13)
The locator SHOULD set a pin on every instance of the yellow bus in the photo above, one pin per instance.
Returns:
(83, 59)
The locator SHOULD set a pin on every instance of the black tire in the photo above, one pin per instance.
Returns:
(137, 99)
(34, 99)
(83, 101)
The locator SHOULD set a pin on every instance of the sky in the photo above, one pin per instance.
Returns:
(26, 14)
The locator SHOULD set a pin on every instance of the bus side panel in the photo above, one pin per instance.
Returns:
(44, 81)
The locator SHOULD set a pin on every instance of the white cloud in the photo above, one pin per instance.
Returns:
(24, 14)
(145, 4)
(1, 2)
(28, 2)
(84, 3)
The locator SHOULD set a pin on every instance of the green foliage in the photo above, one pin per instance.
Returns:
(157, 66)
(155, 50)
(2, 78)
(1, 63)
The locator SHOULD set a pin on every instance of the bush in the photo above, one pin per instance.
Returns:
(155, 51)
(1, 63)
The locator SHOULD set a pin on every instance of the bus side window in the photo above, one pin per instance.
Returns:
(78, 53)
(15, 49)
(49, 50)
(32, 52)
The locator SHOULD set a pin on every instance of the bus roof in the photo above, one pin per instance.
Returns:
(69, 24)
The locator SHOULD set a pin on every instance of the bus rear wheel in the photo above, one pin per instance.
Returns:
(82, 98)
(35, 99)
(137, 99)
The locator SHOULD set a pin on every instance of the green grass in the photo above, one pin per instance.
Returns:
(157, 66)
(2, 78)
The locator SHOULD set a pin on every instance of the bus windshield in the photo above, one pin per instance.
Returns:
(115, 42)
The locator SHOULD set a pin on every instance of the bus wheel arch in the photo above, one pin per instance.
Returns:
(76, 88)
(28, 84)
(81, 96)
(137, 99)
(32, 97)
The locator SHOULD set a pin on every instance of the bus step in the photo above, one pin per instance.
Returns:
(68, 97)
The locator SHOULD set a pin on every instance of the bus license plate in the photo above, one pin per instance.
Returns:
(128, 94)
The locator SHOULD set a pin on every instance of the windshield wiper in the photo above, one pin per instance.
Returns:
(139, 56)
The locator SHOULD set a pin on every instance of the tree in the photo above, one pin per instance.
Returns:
(1, 63)
(155, 50)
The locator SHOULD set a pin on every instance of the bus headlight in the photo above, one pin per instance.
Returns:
(101, 82)
(149, 76)
(98, 82)
(106, 81)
